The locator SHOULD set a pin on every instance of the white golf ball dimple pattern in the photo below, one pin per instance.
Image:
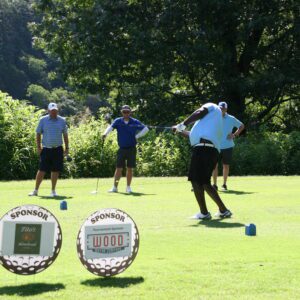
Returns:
(109, 266)
(29, 265)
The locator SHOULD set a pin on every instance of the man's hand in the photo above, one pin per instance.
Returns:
(179, 128)
(230, 136)
(103, 136)
(39, 150)
(66, 152)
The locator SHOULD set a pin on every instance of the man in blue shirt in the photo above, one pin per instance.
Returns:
(54, 129)
(227, 144)
(129, 130)
(205, 138)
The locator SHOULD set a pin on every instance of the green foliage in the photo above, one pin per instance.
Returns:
(91, 157)
(159, 153)
(25, 72)
(18, 157)
(38, 95)
(267, 153)
(168, 56)
(162, 154)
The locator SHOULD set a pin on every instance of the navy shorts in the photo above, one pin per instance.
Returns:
(226, 156)
(126, 155)
(203, 161)
(51, 159)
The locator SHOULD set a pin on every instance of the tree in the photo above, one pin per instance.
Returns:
(167, 56)
(21, 65)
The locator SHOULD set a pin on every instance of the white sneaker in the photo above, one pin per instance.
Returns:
(128, 190)
(113, 190)
(53, 194)
(226, 214)
(201, 216)
(33, 193)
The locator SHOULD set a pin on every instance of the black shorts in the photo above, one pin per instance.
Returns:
(203, 161)
(51, 159)
(126, 155)
(226, 156)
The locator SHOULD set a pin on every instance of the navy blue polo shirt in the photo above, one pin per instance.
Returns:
(127, 132)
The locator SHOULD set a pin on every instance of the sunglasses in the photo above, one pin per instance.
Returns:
(126, 112)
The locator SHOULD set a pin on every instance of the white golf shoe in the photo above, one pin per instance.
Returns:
(33, 193)
(113, 190)
(226, 214)
(128, 190)
(201, 216)
(53, 194)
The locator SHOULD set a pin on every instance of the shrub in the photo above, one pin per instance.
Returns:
(159, 153)
(18, 157)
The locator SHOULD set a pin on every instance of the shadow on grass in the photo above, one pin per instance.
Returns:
(220, 223)
(121, 282)
(55, 198)
(235, 192)
(136, 194)
(30, 289)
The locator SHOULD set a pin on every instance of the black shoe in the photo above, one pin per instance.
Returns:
(224, 187)
(215, 187)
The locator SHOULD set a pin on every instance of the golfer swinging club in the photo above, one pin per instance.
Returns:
(205, 138)
(127, 130)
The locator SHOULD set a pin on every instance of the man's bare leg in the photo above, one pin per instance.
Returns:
(225, 173)
(215, 196)
(39, 178)
(54, 177)
(200, 197)
(215, 174)
(117, 177)
(129, 175)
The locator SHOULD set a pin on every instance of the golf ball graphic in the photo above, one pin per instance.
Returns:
(108, 242)
(30, 239)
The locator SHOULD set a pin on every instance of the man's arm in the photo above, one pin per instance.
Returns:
(38, 143)
(107, 131)
(196, 115)
(239, 130)
(236, 133)
(142, 132)
(66, 140)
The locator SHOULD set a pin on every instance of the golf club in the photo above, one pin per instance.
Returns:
(107, 118)
(101, 158)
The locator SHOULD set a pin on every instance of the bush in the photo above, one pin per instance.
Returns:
(159, 153)
(267, 154)
(18, 157)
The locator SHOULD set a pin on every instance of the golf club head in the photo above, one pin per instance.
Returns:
(94, 192)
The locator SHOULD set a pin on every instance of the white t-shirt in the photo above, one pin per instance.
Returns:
(210, 127)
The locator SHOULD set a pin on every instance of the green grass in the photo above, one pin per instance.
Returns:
(178, 258)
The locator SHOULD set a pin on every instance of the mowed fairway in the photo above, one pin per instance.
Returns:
(178, 258)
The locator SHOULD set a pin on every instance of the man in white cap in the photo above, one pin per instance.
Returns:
(129, 131)
(54, 130)
(227, 144)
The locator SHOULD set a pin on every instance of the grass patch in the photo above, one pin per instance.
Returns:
(178, 258)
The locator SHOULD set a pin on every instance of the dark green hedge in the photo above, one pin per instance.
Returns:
(159, 153)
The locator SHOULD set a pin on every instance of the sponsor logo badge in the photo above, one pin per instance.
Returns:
(30, 239)
(108, 242)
